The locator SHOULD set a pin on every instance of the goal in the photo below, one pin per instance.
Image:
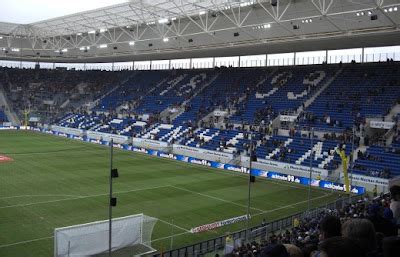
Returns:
(131, 236)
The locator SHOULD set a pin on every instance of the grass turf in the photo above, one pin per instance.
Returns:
(55, 182)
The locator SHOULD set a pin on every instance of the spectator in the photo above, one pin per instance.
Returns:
(363, 231)
(395, 202)
(330, 226)
(341, 247)
(275, 250)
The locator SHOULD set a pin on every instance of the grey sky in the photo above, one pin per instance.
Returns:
(28, 11)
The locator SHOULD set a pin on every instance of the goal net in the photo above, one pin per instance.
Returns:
(131, 236)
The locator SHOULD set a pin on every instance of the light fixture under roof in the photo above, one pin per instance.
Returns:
(163, 21)
(391, 9)
(103, 30)
(79, 34)
(83, 48)
(132, 43)
(202, 12)
(64, 50)
(15, 49)
(307, 21)
(103, 46)
(92, 32)
(165, 39)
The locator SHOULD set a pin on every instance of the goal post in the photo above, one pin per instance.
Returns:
(131, 234)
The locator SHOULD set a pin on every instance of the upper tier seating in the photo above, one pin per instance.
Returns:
(44, 92)
(360, 91)
(285, 90)
(224, 92)
(132, 90)
(179, 86)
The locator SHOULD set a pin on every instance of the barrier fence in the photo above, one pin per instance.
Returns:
(253, 233)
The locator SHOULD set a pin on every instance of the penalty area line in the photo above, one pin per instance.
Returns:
(216, 198)
(26, 241)
(291, 205)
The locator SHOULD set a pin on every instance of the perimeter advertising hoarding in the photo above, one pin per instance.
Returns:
(218, 165)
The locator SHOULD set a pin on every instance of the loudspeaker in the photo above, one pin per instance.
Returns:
(374, 17)
(252, 179)
(113, 201)
(296, 26)
(114, 173)
(236, 34)
(150, 45)
(253, 158)
(190, 40)
(274, 2)
(115, 48)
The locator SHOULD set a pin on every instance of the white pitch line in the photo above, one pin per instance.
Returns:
(20, 196)
(173, 225)
(179, 234)
(215, 198)
(290, 205)
(25, 242)
(80, 197)
(167, 237)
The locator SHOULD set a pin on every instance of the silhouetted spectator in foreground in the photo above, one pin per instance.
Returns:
(340, 247)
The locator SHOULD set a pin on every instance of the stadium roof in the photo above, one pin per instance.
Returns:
(153, 29)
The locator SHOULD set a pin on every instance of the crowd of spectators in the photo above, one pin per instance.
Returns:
(366, 228)
(43, 92)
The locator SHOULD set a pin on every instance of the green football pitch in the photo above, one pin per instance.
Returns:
(55, 182)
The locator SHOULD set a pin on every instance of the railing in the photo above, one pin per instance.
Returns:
(253, 233)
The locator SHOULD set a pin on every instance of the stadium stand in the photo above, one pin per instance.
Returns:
(285, 90)
(50, 93)
(362, 90)
(132, 90)
(188, 116)
(102, 123)
(256, 96)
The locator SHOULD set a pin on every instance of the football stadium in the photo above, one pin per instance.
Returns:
(166, 128)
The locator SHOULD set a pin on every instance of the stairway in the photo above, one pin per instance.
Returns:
(393, 112)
